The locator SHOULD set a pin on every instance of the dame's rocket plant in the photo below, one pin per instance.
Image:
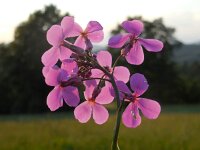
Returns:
(68, 65)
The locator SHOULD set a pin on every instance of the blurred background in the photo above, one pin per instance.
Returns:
(173, 75)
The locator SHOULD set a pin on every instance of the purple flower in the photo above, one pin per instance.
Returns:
(133, 51)
(93, 32)
(93, 106)
(55, 36)
(64, 82)
(150, 108)
(104, 58)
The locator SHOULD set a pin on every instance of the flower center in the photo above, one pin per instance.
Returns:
(84, 34)
(133, 39)
(131, 97)
(134, 98)
(64, 83)
(91, 101)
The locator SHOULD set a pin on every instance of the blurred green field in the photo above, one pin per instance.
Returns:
(177, 128)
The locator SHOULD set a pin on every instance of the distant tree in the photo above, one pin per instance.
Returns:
(158, 67)
(190, 75)
(22, 85)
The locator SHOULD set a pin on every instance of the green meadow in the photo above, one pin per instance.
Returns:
(177, 128)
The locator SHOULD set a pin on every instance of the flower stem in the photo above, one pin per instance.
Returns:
(116, 129)
(96, 79)
(119, 116)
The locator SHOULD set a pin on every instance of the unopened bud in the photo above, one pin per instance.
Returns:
(126, 50)
(89, 45)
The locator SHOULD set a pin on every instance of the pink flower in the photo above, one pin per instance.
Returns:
(95, 98)
(133, 50)
(64, 81)
(104, 58)
(55, 36)
(150, 108)
(93, 32)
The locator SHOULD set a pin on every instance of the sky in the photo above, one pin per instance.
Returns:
(184, 15)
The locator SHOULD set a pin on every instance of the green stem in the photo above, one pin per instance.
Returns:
(96, 79)
(118, 120)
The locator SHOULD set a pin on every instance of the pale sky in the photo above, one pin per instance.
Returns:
(184, 15)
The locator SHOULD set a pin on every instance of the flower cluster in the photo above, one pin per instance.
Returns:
(68, 65)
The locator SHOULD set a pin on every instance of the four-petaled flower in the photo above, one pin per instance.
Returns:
(93, 32)
(104, 58)
(132, 43)
(150, 108)
(64, 82)
(95, 98)
(55, 36)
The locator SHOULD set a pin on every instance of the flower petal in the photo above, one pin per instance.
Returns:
(45, 71)
(135, 55)
(150, 108)
(89, 88)
(100, 113)
(63, 76)
(83, 112)
(131, 117)
(54, 99)
(104, 58)
(64, 53)
(121, 73)
(123, 88)
(76, 30)
(135, 27)
(80, 42)
(138, 83)
(50, 57)
(67, 24)
(55, 35)
(105, 96)
(96, 73)
(96, 36)
(117, 41)
(70, 66)
(93, 26)
(52, 76)
(71, 96)
(151, 45)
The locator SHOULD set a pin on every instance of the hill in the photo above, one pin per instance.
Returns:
(187, 53)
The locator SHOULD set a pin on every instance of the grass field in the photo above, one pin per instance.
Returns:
(173, 130)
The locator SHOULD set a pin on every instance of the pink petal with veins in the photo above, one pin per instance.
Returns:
(54, 99)
(83, 112)
(100, 113)
(55, 35)
(104, 58)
